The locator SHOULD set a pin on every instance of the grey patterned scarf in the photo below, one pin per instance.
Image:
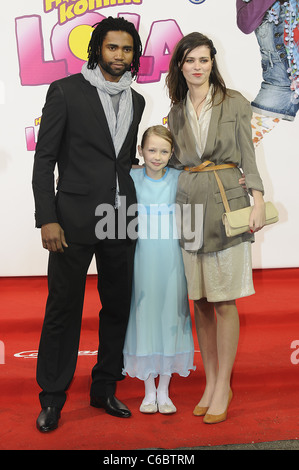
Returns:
(118, 125)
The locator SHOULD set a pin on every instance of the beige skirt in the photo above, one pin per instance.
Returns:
(220, 276)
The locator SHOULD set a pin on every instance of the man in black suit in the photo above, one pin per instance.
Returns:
(89, 130)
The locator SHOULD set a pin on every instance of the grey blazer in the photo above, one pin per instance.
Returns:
(229, 141)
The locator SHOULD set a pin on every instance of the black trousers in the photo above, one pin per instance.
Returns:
(59, 343)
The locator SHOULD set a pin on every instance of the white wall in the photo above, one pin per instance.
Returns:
(238, 57)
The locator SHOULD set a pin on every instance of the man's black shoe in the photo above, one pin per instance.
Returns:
(48, 419)
(111, 405)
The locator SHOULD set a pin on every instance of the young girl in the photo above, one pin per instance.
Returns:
(159, 338)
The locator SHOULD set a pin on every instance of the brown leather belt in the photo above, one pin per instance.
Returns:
(209, 166)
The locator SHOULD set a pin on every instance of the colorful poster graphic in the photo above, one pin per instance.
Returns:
(44, 40)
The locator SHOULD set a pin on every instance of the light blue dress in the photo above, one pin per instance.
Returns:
(159, 336)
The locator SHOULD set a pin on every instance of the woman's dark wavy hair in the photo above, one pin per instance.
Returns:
(99, 34)
(175, 80)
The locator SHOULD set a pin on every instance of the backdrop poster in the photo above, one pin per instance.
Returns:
(43, 40)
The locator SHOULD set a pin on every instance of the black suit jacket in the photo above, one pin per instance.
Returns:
(74, 134)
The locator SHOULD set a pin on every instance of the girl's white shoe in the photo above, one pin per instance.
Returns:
(149, 408)
(167, 407)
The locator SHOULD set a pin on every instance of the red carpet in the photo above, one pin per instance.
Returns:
(265, 381)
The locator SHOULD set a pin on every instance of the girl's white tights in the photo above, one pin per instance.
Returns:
(150, 390)
(160, 394)
(162, 391)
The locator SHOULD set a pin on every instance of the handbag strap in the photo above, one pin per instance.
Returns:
(222, 192)
(210, 166)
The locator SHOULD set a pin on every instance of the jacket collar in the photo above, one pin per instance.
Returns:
(95, 104)
(187, 140)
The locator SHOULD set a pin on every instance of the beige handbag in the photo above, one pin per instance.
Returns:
(237, 222)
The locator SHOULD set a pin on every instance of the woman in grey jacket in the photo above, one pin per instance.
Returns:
(212, 124)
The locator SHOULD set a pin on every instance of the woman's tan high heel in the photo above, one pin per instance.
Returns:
(213, 419)
(200, 410)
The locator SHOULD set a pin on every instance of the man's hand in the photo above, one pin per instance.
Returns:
(53, 238)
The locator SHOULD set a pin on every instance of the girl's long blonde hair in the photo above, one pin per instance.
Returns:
(160, 131)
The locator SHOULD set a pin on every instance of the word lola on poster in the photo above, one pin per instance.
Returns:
(68, 39)
(70, 36)
(69, 48)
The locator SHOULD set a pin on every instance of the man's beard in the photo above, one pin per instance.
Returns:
(114, 73)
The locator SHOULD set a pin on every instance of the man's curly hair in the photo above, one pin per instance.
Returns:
(99, 34)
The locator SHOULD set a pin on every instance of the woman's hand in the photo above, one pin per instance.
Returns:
(258, 214)
(242, 182)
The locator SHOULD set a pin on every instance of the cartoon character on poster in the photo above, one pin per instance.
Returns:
(276, 26)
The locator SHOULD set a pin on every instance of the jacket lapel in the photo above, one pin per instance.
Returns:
(183, 133)
(95, 104)
(212, 132)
